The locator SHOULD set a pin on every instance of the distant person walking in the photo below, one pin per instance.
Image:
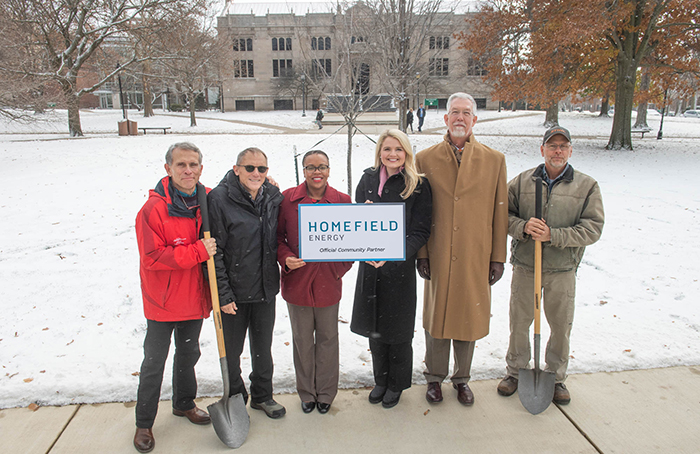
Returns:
(319, 118)
(420, 113)
(409, 119)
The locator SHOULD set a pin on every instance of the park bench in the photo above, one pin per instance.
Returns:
(641, 131)
(155, 128)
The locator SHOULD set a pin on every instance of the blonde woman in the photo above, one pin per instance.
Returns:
(385, 295)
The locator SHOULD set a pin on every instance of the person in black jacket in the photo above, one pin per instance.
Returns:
(385, 295)
(409, 119)
(243, 211)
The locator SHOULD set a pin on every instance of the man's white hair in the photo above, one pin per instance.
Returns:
(460, 95)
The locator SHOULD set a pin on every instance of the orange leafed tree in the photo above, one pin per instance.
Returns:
(532, 50)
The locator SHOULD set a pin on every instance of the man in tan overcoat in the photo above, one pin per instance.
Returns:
(467, 246)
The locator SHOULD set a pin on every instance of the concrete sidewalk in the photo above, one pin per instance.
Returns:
(649, 411)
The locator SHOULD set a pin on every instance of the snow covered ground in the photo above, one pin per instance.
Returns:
(71, 319)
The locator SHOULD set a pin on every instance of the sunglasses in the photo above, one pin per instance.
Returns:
(251, 169)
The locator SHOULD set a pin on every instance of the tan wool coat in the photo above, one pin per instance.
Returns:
(470, 230)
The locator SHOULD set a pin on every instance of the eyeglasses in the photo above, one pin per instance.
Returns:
(312, 169)
(561, 146)
(251, 169)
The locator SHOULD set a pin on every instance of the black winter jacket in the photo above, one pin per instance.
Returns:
(246, 241)
(385, 297)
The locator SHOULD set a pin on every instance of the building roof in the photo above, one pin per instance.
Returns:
(302, 8)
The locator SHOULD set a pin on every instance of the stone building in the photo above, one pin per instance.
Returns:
(296, 55)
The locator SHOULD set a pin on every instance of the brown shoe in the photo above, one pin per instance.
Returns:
(195, 415)
(434, 392)
(508, 386)
(143, 440)
(561, 394)
(465, 396)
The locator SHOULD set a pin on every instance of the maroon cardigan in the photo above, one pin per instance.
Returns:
(316, 284)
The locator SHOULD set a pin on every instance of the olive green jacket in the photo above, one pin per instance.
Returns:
(573, 210)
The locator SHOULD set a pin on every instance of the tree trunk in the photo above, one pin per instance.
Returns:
(605, 108)
(621, 134)
(192, 97)
(403, 108)
(73, 105)
(641, 122)
(147, 101)
(351, 129)
(552, 118)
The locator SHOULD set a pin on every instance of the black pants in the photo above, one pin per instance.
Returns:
(258, 319)
(392, 364)
(155, 349)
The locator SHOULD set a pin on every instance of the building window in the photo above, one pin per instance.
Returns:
(281, 44)
(438, 66)
(282, 68)
(321, 68)
(474, 67)
(357, 39)
(243, 69)
(243, 44)
(321, 43)
(439, 42)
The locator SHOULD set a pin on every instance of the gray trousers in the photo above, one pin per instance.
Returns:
(316, 351)
(559, 292)
(437, 359)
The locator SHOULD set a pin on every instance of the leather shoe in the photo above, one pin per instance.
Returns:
(195, 415)
(561, 394)
(377, 394)
(434, 392)
(508, 386)
(465, 396)
(323, 408)
(143, 440)
(308, 407)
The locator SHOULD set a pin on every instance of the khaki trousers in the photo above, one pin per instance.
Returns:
(558, 295)
(316, 351)
(437, 359)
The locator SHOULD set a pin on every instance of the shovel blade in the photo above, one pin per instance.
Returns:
(230, 420)
(535, 389)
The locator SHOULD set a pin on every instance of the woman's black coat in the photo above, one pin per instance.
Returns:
(385, 297)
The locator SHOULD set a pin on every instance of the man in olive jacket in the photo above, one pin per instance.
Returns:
(467, 246)
(572, 219)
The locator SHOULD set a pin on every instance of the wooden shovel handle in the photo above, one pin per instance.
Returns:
(211, 269)
(538, 256)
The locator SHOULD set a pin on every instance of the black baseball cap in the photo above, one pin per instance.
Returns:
(553, 131)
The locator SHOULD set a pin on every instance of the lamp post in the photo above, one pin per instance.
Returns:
(660, 135)
(303, 95)
(417, 90)
(121, 94)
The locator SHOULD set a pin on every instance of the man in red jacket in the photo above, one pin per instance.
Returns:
(175, 296)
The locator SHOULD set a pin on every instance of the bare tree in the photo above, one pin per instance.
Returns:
(187, 56)
(403, 40)
(62, 38)
(346, 78)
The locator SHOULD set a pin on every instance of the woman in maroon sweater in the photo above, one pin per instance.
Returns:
(312, 290)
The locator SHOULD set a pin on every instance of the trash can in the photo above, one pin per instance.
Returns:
(128, 127)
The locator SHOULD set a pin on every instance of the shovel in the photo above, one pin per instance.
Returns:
(535, 386)
(228, 416)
